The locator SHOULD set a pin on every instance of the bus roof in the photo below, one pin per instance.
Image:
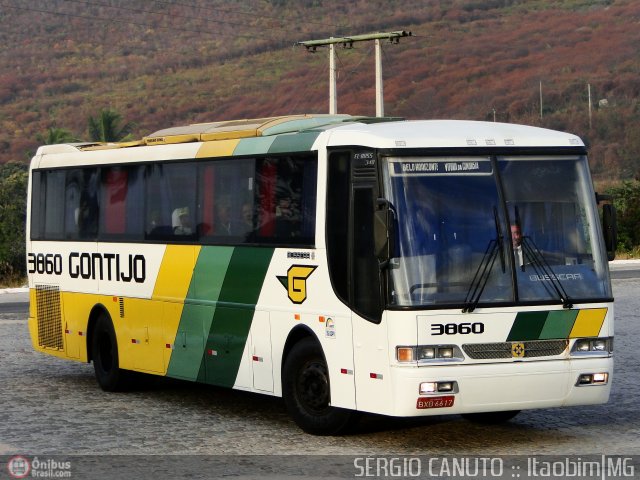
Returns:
(450, 134)
(344, 130)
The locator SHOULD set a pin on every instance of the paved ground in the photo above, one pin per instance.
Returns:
(53, 407)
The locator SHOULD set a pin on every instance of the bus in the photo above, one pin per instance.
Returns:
(346, 264)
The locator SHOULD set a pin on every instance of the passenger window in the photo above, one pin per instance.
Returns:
(171, 202)
(286, 200)
(121, 215)
(81, 204)
(226, 201)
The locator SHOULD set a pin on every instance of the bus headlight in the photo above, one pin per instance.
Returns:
(592, 346)
(429, 354)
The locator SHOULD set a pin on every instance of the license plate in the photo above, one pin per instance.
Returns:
(435, 402)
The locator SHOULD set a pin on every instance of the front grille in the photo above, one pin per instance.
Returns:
(532, 348)
(48, 315)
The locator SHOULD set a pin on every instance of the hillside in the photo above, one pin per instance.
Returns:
(162, 63)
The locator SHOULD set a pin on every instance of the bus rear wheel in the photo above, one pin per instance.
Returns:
(307, 394)
(104, 352)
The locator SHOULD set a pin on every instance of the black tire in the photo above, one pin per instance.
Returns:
(306, 391)
(104, 352)
(491, 418)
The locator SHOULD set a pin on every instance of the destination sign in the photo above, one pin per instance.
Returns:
(449, 167)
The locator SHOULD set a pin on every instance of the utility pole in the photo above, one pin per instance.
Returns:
(379, 86)
(347, 42)
(589, 94)
(540, 99)
(333, 99)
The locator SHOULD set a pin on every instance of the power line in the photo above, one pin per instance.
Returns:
(250, 14)
(129, 22)
(161, 14)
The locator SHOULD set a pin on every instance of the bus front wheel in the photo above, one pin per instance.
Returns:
(306, 391)
(104, 352)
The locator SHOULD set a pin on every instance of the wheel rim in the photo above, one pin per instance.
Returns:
(313, 387)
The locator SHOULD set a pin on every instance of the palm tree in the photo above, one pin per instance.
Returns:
(105, 127)
(56, 135)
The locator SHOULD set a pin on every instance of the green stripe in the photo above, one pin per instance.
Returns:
(197, 314)
(253, 146)
(230, 326)
(527, 326)
(542, 325)
(298, 142)
(559, 324)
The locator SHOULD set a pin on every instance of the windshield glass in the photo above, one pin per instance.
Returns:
(555, 229)
(458, 243)
(449, 223)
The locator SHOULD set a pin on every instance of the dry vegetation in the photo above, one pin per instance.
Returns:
(161, 63)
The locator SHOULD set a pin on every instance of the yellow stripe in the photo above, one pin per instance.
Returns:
(175, 273)
(228, 135)
(588, 323)
(222, 148)
(172, 285)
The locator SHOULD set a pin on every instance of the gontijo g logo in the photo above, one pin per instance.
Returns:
(296, 282)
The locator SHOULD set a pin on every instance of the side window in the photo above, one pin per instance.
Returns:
(226, 201)
(81, 206)
(47, 206)
(38, 213)
(171, 202)
(121, 214)
(286, 200)
(365, 270)
(338, 227)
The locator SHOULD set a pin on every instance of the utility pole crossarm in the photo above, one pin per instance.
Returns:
(349, 41)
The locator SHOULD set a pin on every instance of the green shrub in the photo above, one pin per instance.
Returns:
(13, 200)
(626, 198)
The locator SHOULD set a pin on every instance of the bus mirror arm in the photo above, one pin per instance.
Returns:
(610, 230)
(603, 198)
(384, 232)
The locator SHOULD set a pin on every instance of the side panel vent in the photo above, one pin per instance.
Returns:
(49, 318)
(121, 302)
(361, 173)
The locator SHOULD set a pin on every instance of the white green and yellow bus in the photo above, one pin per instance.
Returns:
(346, 264)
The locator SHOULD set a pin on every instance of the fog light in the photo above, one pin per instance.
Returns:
(585, 379)
(445, 386)
(428, 387)
(600, 377)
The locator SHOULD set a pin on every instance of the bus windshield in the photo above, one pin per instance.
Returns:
(460, 241)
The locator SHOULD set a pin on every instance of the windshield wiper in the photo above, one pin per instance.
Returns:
(539, 263)
(481, 277)
(483, 272)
